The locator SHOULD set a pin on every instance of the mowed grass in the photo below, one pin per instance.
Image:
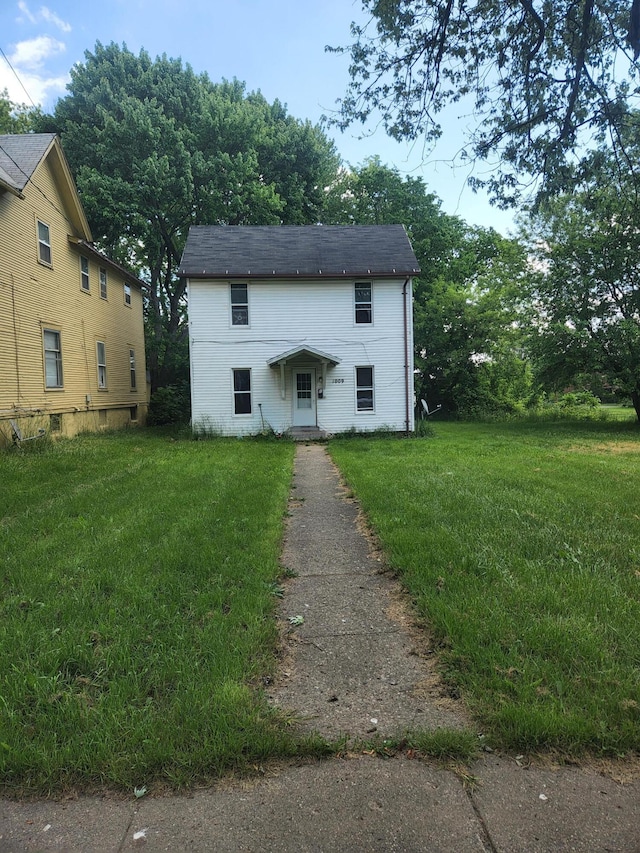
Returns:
(136, 611)
(520, 544)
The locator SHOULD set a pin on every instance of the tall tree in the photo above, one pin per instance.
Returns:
(585, 289)
(539, 77)
(156, 148)
(466, 358)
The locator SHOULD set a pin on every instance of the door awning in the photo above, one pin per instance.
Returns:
(303, 352)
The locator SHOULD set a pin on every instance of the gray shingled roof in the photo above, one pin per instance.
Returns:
(20, 154)
(292, 251)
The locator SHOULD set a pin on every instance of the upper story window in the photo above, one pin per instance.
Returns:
(239, 305)
(127, 294)
(103, 283)
(101, 353)
(84, 273)
(363, 302)
(44, 244)
(52, 358)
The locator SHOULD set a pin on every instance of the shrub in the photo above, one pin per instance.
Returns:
(170, 405)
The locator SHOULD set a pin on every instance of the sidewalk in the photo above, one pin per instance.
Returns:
(354, 667)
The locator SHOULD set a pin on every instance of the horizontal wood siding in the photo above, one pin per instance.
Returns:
(283, 316)
(35, 296)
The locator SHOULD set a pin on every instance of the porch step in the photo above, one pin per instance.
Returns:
(307, 433)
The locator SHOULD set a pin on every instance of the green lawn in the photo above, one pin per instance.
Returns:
(521, 547)
(137, 583)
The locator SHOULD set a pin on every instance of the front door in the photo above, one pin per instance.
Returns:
(304, 398)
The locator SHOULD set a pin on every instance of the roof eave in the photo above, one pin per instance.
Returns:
(292, 276)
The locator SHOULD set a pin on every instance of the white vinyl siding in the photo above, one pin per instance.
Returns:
(285, 315)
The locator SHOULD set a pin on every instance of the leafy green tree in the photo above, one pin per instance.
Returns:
(17, 118)
(540, 77)
(585, 289)
(156, 148)
(465, 349)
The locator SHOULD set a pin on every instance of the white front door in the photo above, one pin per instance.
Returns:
(304, 398)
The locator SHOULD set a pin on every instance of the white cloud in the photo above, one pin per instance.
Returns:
(52, 18)
(33, 52)
(27, 12)
(29, 60)
(43, 14)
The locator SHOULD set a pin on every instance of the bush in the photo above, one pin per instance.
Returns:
(170, 405)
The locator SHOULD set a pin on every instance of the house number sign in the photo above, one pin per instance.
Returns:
(337, 381)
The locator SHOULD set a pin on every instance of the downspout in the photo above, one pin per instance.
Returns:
(406, 354)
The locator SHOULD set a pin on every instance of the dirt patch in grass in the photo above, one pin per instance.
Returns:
(616, 447)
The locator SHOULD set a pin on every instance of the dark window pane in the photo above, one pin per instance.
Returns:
(243, 403)
(364, 377)
(239, 316)
(363, 315)
(238, 294)
(242, 380)
(365, 400)
(363, 293)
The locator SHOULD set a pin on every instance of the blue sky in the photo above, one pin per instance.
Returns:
(277, 46)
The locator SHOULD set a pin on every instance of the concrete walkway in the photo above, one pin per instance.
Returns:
(353, 667)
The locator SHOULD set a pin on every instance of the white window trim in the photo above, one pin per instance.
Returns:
(104, 288)
(355, 303)
(59, 365)
(246, 325)
(46, 243)
(372, 410)
(234, 392)
(127, 294)
(102, 386)
(85, 275)
(133, 373)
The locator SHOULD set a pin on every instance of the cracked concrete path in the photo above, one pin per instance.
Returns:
(354, 667)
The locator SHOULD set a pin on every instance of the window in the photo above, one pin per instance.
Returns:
(133, 413)
(44, 244)
(242, 392)
(132, 368)
(102, 364)
(239, 305)
(364, 389)
(127, 294)
(55, 422)
(52, 359)
(84, 273)
(103, 283)
(364, 314)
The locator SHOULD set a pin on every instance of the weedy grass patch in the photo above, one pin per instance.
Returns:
(137, 594)
(520, 544)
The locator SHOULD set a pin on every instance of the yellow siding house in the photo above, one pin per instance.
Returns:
(72, 352)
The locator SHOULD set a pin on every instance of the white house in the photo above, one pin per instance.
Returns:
(301, 329)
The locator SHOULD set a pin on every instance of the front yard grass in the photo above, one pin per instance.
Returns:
(520, 544)
(136, 584)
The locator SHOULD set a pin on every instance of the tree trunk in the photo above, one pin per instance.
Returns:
(635, 399)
